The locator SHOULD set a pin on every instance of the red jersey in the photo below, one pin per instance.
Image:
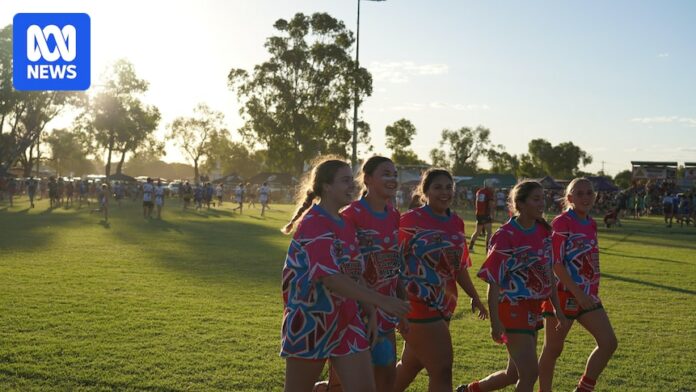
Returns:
(519, 261)
(378, 233)
(434, 251)
(484, 196)
(575, 246)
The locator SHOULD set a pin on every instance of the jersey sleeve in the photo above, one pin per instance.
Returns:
(317, 246)
(494, 268)
(558, 240)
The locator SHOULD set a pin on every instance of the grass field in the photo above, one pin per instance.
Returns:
(192, 303)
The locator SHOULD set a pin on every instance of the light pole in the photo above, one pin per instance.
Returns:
(354, 158)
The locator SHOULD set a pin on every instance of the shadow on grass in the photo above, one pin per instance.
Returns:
(650, 284)
(83, 382)
(218, 250)
(603, 252)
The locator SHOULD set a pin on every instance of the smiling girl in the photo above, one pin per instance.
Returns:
(519, 276)
(436, 259)
(576, 263)
(321, 289)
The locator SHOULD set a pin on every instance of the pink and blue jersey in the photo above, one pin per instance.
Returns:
(378, 233)
(434, 251)
(575, 246)
(318, 324)
(519, 262)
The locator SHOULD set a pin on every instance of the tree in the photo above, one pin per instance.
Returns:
(232, 157)
(116, 119)
(503, 162)
(68, 154)
(193, 135)
(560, 161)
(25, 113)
(296, 104)
(399, 136)
(138, 135)
(623, 179)
(460, 150)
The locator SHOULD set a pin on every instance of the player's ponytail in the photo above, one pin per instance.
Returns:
(300, 211)
(519, 193)
(323, 173)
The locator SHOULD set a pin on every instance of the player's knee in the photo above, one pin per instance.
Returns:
(609, 344)
(528, 370)
(553, 350)
(360, 384)
(442, 372)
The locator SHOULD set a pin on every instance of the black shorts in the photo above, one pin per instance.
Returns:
(483, 219)
(148, 204)
(500, 208)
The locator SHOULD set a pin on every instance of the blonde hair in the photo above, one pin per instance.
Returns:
(571, 187)
(324, 172)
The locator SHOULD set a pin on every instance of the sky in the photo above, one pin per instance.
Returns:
(615, 78)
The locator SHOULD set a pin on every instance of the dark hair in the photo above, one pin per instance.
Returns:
(520, 193)
(427, 179)
(323, 173)
(368, 169)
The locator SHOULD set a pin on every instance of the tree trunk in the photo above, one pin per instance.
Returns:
(107, 169)
(27, 166)
(119, 167)
(195, 171)
(38, 158)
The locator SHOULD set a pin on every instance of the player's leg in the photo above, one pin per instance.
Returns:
(385, 368)
(300, 374)
(407, 368)
(488, 227)
(553, 347)
(494, 381)
(432, 344)
(597, 323)
(355, 370)
(474, 236)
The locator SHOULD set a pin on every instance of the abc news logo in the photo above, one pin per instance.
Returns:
(51, 51)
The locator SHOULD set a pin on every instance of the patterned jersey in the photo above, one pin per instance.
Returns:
(434, 251)
(378, 234)
(519, 261)
(315, 320)
(575, 246)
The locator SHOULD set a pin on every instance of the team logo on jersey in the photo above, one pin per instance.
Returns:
(51, 51)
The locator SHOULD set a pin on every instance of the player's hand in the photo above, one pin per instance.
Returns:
(497, 330)
(394, 306)
(476, 304)
(563, 322)
(585, 301)
(403, 326)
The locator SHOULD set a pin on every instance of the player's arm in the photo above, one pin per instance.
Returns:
(497, 329)
(584, 300)
(464, 281)
(345, 286)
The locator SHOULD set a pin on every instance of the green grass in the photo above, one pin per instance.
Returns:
(193, 302)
